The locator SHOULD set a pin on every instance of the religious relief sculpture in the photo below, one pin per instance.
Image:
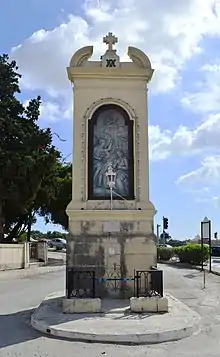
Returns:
(111, 145)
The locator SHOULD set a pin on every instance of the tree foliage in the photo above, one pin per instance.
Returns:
(164, 253)
(54, 211)
(28, 161)
(35, 234)
(192, 253)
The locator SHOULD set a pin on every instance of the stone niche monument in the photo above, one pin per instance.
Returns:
(112, 237)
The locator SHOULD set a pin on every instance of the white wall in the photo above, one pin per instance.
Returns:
(14, 256)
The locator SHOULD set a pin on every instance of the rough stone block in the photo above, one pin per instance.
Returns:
(79, 306)
(146, 304)
(162, 304)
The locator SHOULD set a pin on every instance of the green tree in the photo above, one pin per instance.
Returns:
(28, 160)
(54, 211)
(35, 234)
(55, 234)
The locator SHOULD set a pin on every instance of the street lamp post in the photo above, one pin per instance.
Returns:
(110, 174)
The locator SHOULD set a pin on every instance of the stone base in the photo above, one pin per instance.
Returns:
(115, 255)
(146, 304)
(80, 306)
(116, 326)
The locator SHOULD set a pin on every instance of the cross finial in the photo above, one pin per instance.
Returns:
(110, 40)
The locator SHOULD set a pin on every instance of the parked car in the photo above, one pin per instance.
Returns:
(215, 252)
(58, 243)
(166, 246)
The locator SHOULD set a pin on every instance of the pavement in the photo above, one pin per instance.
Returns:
(20, 297)
(116, 324)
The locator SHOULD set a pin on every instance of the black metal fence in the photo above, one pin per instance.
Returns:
(83, 283)
(80, 284)
(148, 283)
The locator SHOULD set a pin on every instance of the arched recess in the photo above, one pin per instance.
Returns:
(110, 142)
(104, 101)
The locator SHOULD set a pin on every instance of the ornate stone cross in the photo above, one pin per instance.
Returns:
(110, 40)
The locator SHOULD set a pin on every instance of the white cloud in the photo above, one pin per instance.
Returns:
(170, 32)
(202, 190)
(52, 111)
(207, 174)
(216, 201)
(207, 99)
(185, 141)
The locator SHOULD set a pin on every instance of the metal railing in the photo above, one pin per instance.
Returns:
(83, 283)
(80, 284)
(148, 283)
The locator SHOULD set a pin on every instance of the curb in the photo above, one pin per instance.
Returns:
(123, 339)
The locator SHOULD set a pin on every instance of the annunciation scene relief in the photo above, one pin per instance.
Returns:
(110, 144)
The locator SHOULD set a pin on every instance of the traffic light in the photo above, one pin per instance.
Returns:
(165, 222)
(216, 235)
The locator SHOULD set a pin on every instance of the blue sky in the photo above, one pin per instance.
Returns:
(182, 39)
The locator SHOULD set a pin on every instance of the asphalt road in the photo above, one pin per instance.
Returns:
(18, 298)
(216, 263)
(57, 254)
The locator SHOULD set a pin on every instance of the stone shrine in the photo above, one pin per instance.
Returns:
(110, 215)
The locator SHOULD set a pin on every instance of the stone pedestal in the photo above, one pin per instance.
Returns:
(114, 258)
(111, 128)
(149, 304)
(81, 306)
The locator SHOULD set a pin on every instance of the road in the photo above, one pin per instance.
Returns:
(57, 254)
(216, 263)
(18, 297)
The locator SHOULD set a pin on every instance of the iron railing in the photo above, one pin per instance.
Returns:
(80, 284)
(157, 281)
(148, 283)
(83, 283)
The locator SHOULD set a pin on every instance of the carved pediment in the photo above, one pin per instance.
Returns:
(81, 56)
(139, 58)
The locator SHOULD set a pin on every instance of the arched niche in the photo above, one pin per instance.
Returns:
(110, 142)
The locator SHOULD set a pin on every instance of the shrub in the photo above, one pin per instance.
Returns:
(164, 253)
(192, 253)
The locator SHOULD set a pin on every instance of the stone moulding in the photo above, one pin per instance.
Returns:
(122, 234)
(110, 100)
(103, 215)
